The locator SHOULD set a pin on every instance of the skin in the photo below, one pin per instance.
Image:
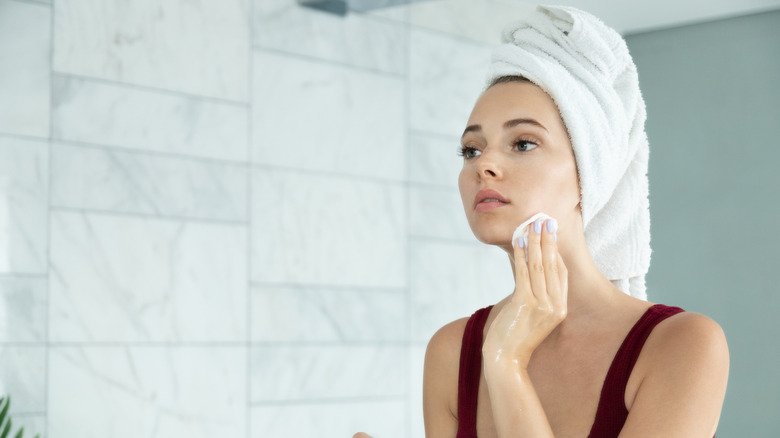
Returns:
(548, 345)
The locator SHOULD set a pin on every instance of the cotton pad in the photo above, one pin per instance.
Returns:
(522, 230)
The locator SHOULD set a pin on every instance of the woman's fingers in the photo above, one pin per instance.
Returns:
(563, 274)
(552, 266)
(536, 263)
(539, 300)
(522, 281)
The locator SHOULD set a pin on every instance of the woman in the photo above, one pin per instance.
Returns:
(573, 351)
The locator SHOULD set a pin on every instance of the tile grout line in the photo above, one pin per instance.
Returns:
(14, 275)
(212, 161)
(330, 287)
(326, 61)
(148, 88)
(32, 2)
(329, 401)
(248, 236)
(25, 137)
(149, 153)
(409, 236)
(136, 215)
(334, 343)
(47, 354)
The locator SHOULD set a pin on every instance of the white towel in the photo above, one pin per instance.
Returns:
(586, 68)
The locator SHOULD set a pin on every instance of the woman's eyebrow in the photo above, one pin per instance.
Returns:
(508, 124)
(515, 122)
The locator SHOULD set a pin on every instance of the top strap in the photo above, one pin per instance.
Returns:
(612, 413)
(469, 373)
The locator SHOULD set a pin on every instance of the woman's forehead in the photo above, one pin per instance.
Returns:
(511, 100)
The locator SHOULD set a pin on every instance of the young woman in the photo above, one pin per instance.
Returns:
(546, 349)
(572, 352)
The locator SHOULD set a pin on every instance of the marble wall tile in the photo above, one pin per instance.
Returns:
(120, 279)
(23, 309)
(436, 212)
(193, 47)
(355, 39)
(24, 203)
(479, 21)
(172, 392)
(434, 160)
(324, 230)
(307, 314)
(381, 419)
(396, 12)
(306, 373)
(416, 362)
(129, 117)
(453, 280)
(311, 115)
(131, 182)
(22, 375)
(446, 76)
(25, 45)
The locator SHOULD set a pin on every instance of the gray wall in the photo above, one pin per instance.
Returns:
(713, 98)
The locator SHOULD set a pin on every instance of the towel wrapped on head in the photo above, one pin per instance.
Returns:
(586, 68)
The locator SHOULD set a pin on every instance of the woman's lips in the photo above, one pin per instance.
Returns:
(488, 205)
(488, 199)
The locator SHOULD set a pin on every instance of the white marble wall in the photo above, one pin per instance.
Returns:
(231, 218)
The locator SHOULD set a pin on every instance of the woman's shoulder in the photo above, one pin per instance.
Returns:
(684, 345)
(446, 342)
(686, 334)
(680, 378)
(440, 374)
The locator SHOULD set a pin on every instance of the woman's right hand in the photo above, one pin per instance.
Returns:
(538, 303)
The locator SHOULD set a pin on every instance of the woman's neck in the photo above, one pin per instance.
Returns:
(591, 296)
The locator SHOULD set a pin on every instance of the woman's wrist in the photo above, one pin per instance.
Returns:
(504, 358)
(500, 364)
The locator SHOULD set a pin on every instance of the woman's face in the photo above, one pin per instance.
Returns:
(517, 162)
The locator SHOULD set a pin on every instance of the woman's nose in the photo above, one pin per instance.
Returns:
(489, 164)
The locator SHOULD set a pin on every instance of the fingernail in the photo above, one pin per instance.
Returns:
(538, 226)
(520, 242)
(552, 226)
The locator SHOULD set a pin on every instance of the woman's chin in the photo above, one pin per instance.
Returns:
(501, 240)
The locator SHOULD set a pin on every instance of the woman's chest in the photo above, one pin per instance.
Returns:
(569, 389)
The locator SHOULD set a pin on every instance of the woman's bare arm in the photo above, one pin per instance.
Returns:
(537, 306)
(682, 371)
(440, 381)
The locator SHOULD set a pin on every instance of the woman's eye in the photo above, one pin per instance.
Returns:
(525, 145)
(469, 152)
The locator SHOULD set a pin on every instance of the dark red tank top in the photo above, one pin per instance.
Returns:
(611, 413)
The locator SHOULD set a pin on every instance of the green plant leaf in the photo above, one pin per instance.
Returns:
(5, 402)
(7, 429)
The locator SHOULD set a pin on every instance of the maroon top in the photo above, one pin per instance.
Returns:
(611, 413)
